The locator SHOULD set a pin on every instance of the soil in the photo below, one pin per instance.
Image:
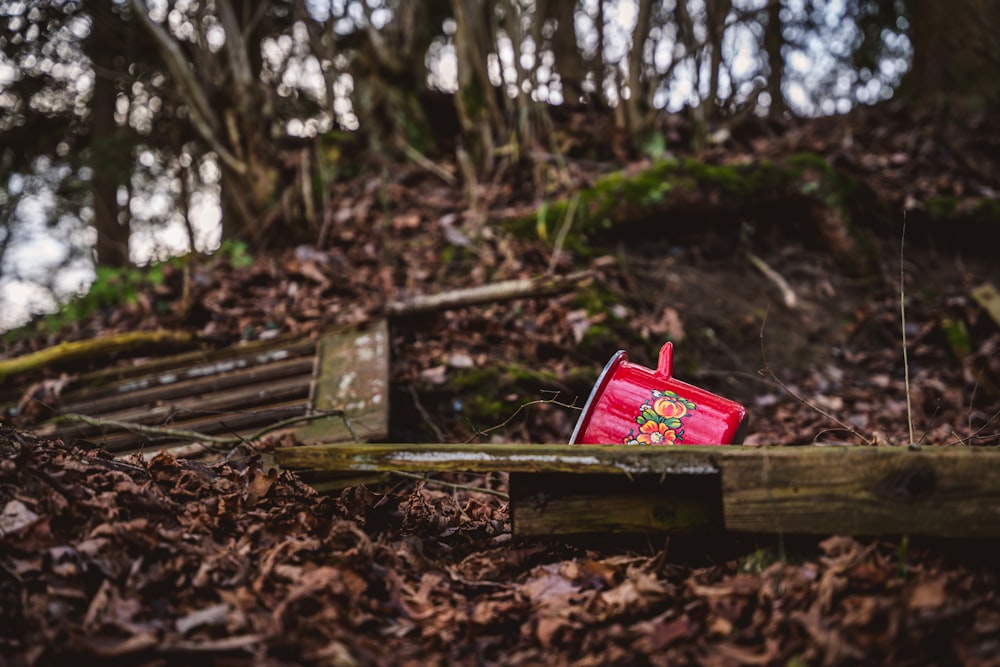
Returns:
(180, 561)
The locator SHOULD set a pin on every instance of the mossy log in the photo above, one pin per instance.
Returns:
(673, 186)
(69, 352)
(573, 489)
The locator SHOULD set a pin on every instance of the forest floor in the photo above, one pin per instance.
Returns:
(193, 562)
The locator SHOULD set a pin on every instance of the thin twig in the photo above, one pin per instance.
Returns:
(518, 411)
(902, 317)
(182, 434)
(982, 428)
(149, 430)
(975, 387)
(426, 416)
(766, 371)
(424, 163)
(787, 293)
(563, 231)
(451, 485)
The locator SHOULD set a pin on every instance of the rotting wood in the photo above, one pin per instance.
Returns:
(85, 349)
(945, 492)
(936, 491)
(491, 293)
(191, 381)
(233, 392)
(123, 400)
(351, 376)
(544, 504)
(489, 458)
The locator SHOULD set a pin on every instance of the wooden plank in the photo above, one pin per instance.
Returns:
(935, 491)
(946, 492)
(510, 457)
(234, 423)
(168, 387)
(544, 504)
(69, 352)
(255, 352)
(490, 293)
(352, 377)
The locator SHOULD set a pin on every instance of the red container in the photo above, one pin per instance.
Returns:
(634, 405)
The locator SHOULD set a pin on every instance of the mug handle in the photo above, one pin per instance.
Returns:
(665, 367)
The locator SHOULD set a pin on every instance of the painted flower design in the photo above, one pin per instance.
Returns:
(660, 420)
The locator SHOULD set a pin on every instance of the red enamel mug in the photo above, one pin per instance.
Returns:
(634, 405)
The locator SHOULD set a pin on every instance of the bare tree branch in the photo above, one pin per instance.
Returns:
(205, 122)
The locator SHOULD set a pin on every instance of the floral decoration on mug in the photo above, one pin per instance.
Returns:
(660, 420)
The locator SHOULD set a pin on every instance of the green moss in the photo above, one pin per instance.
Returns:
(948, 208)
(618, 196)
(759, 560)
(112, 287)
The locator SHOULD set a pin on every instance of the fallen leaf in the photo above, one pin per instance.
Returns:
(213, 615)
(927, 594)
(15, 517)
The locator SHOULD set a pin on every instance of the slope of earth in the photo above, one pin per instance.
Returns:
(180, 562)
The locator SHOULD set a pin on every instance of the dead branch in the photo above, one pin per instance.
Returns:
(83, 349)
(182, 434)
(502, 291)
(767, 372)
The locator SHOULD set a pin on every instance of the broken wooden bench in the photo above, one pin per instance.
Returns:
(327, 387)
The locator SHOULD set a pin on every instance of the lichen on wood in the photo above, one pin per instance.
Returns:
(73, 351)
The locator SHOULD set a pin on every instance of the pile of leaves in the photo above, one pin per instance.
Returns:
(176, 562)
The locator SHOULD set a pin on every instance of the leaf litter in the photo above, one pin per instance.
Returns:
(176, 561)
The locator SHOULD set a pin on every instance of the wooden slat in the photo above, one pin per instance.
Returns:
(544, 504)
(352, 376)
(242, 399)
(256, 352)
(586, 459)
(235, 424)
(947, 492)
(168, 387)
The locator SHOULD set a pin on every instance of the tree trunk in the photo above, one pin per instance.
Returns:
(637, 106)
(569, 60)
(475, 101)
(956, 53)
(109, 158)
(716, 12)
(774, 40)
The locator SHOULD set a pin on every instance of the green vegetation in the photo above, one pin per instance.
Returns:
(116, 287)
(942, 209)
(671, 184)
(112, 287)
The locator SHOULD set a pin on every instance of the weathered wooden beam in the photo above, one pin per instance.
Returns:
(193, 381)
(351, 376)
(491, 293)
(937, 491)
(244, 397)
(550, 504)
(114, 439)
(494, 457)
(73, 351)
(945, 492)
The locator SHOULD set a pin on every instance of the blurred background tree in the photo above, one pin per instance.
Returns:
(131, 130)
